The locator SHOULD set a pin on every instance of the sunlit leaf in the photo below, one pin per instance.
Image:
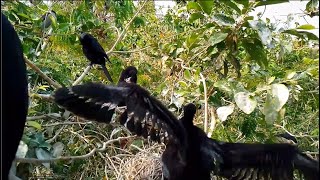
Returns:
(217, 38)
(290, 74)
(269, 2)
(187, 75)
(206, 6)
(232, 5)
(245, 102)
(263, 31)
(193, 5)
(306, 27)
(195, 16)
(301, 34)
(223, 20)
(224, 111)
(281, 94)
(34, 124)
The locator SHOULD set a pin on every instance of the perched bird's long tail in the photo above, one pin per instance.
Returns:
(106, 72)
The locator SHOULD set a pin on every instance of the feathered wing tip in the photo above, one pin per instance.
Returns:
(307, 166)
(143, 115)
(256, 161)
(90, 101)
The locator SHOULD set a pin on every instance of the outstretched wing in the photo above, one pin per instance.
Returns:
(259, 161)
(143, 115)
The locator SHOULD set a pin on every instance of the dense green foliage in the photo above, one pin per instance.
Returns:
(256, 79)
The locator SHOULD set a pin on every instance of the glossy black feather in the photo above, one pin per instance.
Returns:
(143, 113)
(14, 87)
(243, 160)
(232, 160)
(189, 153)
(94, 52)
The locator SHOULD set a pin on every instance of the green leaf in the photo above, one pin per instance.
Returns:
(245, 3)
(206, 6)
(312, 5)
(223, 85)
(192, 40)
(232, 5)
(187, 75)
(224, 111)
(269, 111)
(306, 27)
(217, 38)
(301, 34)
(255, 49)
(263, 31)
(34, 124)
(193, 5)
(245, 102)
(195, 16)
(269, 2)
(223, 20)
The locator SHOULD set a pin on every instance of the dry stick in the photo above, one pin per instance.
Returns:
(205, 103)
(212, 123)
(50, 115)
(91, 153)
(82, 75)
(45, 77)
(67, 123)
(46, 97)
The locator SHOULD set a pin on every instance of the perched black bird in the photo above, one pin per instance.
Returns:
(189, 154)
(14, 95)
(94, 52)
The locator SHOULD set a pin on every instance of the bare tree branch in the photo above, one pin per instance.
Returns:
(82, 75)
(205, 103)
(126, 28)
(45, 77)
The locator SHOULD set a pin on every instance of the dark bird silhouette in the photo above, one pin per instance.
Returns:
(286, 138)
(189, 154)
(95, 53)
(14, 95)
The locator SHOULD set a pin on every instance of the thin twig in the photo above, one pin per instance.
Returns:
(125, 29)
(205, 103)
(45, 77)
(133, 51)
(91, 153)
(56, 135)
(82, 75)
(51, 115)
(46, 97)
(67, 123)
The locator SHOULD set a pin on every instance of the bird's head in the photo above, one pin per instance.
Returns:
(129, 75)
(83, 36)
(189, 111)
